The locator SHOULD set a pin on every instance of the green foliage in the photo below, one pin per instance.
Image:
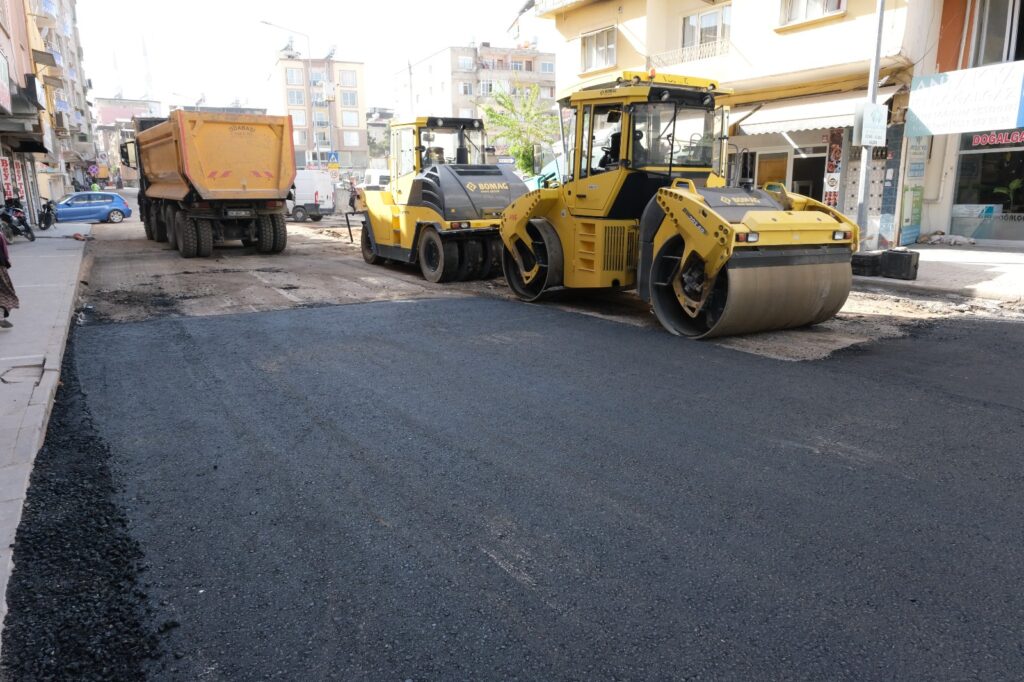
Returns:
(521, 122)
(1010, 190)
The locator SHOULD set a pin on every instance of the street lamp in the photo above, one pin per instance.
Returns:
(308, 92)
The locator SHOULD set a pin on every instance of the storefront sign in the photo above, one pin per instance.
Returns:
(984, 99)
(833, 167)
(19, 180)
(913, 190)
(6, 177)
(997, 138)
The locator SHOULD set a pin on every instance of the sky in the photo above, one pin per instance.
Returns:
(178, 51)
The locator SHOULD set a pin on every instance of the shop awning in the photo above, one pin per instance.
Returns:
(807, 113)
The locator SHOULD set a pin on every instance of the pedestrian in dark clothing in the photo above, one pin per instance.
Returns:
(8, 299)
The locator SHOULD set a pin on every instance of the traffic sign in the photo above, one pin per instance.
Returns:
(332, 157)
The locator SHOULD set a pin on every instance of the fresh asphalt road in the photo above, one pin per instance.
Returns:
(479, 489)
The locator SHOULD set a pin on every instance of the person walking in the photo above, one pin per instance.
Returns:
(8, 298)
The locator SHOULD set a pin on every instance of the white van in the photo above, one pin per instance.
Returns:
(376, 179)
(314, 196)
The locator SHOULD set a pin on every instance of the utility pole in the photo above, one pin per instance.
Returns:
(865, 152)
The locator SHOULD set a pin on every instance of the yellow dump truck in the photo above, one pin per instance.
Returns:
(207, 178)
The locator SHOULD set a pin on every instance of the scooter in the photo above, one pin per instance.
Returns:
(47, 214)
(14, 222)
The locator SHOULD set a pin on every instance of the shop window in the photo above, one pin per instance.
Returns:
(597, 49)
(805, 10)
(989, 201)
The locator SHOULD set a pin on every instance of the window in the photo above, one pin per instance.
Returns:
(349, 98)
(317, 76)
(350, 119)
(547, 91)
(465, 88)
(597, 50)
(350, 138)
(529, 65)
(486, 87)
(299, 137)
(568, 130)
(605, 140)
(405, 143)
(293, 76)
(804, 10)
(347, 77)
(706, 28)
(322, 139)
(996, 40)
(517, 65)
(296, 98)
(298, 117)
(547, 67)
(320, 119)
(465, 63)
(466, 113)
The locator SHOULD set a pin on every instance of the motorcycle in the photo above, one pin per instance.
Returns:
(47, 214)
(14, 222)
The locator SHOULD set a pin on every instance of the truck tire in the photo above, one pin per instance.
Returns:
(439, 258)
(316, 218)
(159, 229)
(264, 234)
(204, 232)
(188, 236)
(280, 233)
(299, 214)
(147, 225)
(171, 221)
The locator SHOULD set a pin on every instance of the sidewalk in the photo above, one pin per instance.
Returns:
(970, 271)
(45, 275)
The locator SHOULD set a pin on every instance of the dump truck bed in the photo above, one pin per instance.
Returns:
(220, 156)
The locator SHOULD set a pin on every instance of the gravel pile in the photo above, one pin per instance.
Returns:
(76, 610)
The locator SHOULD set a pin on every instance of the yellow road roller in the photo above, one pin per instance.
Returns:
(442, 207)
(647, 203)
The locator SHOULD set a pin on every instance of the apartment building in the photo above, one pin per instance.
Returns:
(798, 69)
(51, 31)
(459, 81)
(326, 99)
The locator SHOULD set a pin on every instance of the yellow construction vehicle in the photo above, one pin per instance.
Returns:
(647, 202)
(442, 206)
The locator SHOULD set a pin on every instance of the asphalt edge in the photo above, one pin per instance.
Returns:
(34, 423)
(889, 285)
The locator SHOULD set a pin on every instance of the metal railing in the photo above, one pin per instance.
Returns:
(691, 53)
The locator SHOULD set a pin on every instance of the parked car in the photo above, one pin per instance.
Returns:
(314, 196)
(92, 207)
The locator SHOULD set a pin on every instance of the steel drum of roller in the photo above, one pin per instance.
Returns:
(756, 292)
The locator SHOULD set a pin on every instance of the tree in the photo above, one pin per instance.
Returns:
(522, 122)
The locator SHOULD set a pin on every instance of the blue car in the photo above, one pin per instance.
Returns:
(92, 207)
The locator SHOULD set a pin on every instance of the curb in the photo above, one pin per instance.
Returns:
(32, 432)
(888, 285)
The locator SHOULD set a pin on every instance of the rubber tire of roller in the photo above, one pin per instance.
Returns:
(204, 232)
(448, 257)
(188, 236)
(264, 234)
(367, 248)
(471, 260)
(280, 233)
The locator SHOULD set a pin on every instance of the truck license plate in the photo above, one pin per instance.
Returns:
(239, 213)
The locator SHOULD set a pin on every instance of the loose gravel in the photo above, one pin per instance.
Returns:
(76, 610)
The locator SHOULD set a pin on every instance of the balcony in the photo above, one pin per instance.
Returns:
(45, 13)
(321, 124)
(58, 58)
(691, 53)
(547, 8)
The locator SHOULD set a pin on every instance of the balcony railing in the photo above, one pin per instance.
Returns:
(546, 7)
(691, 53)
